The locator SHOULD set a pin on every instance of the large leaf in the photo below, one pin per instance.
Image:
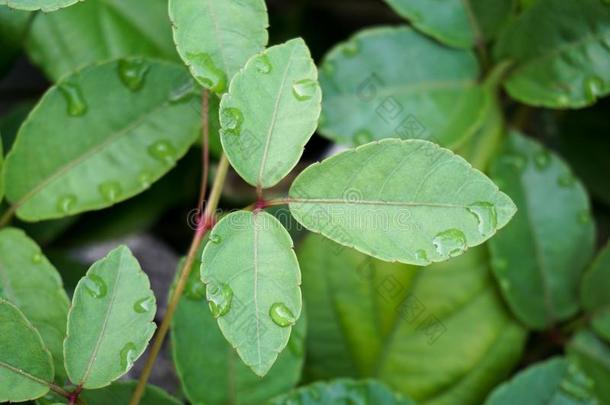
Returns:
(113, 128)
(553, 382)
(594, 293)
(342, 391)
(593, 357)
(270, 112)
(538, 259)
(563, 59)
(1, 166)
(43, 5)
(13, 26)
(228, 380)
(440, 335)
(110, 321)
(99, 30)
(121, 393)
(409, 201)
(252, 282)
(29, 280)
(395, 82)
(461, 23)
(216, 38)
(26, 366)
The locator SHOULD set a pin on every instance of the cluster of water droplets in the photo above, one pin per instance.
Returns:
(207, 73)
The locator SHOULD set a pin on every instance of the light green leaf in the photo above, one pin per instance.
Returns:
(216, 38)
(29, 280)
(138, 116)
(408, 201)
(121, 392)
(460, 23)
(252, 282)
(1, 167)
(342, 391)
(373, 89)
(594, 293)
(270, 112)
(440, 335)
(539, 258)
(26, 366)
(229, 380)
(99, 30)
(110, 321)
(561, 60)
(43, 5)
(552, 382)
(593, 357)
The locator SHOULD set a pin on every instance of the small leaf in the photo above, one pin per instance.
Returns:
(593, 357)
(29, 280)
(340, 391)
(539, 258)
(561, 60)
(110, 321)
(216, 38)
(270, 112)
(252, 282)
(463, 24)
(594, 293)
(43, 5)
(373, 89)
(151, 118)
(556, 381)
(121, 392)
(26, 366)
(408, 201)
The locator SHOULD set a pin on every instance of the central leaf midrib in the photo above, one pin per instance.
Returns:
(374, 202)
(22, 373)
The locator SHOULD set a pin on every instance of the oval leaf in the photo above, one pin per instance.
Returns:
(216, 38)
(43, 5)
(539, 258)
(593, 357)
(408, 201)
(121, 393)
(252, 281)
(594, 293)
(270, 112)
(373, 89)
(26, 366)
(39, 295)
(110, 321)
(562, 59)
(150, 119)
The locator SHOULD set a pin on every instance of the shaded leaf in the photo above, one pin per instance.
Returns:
(539, 258)
(138, 115)
(110, 321)
(1, 167)
(409, 201)
(121, 392)
(594, 293)
(13, 26)
(43, 5)
(593, 357)
(252, 282)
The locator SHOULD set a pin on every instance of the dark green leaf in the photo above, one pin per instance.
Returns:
(593, 357)
(594, 292)
(13, 26)
(120, 393)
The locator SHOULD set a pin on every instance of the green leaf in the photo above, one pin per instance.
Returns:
(29, 280)
(538, 259)
(216, 38)
(562, 60)
(373, 89)
(1, 167)
(229, 380)
(13, 26)
(26, 366)
(110, 321)
(594, 293)
(121, 392)
(552, 382)
(252, 282)
(408, 201)
(43, 5)
(140, 116)
(99, 30)
(463, 24)
(593, 357)
(342, 391)
(440, 335)
(270, 112)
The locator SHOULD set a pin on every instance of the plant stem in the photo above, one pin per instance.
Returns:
(205, 158)
(204, 224)
(7, 216)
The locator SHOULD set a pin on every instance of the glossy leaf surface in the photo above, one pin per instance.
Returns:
(594, 293)
(43, 5)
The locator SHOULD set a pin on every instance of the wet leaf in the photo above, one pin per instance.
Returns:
(594, 293)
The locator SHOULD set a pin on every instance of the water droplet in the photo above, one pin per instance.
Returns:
(219, 298)
(183, 92)
(263, 64)
(304, 89)
(128, 355)
(133, 72)
(363, 136)
(207, 73)
(594, 87)
(110, 191)
(566, 180)
(194, 289)
(450, 243)
(95, 286)
(231, 120)
(584, 217)
(145, 179)
(486, 216)
(66, 203)
(143, 305)
(515, 160)
(281, 315)
(562, 100)
(215, 238)
(421, 256)
(542, 159)
(76, 105)
(37, 258)
(350, 49)
(163, 151)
